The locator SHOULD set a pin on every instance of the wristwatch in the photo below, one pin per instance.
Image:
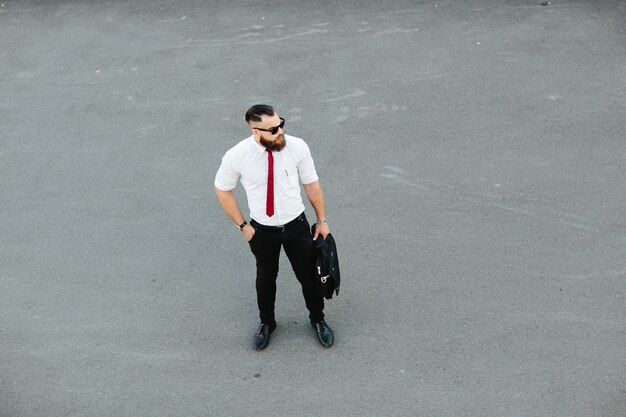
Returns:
(242, 225)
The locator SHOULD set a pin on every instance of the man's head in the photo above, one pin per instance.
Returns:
(266, 126)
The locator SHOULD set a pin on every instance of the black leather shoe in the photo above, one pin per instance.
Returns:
(262, 336)
(324, 334)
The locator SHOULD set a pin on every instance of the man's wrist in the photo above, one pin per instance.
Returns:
(321, 221)
(242, 225)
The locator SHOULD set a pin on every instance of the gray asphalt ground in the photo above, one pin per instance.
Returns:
(473, 157)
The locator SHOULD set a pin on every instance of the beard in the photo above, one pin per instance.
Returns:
(276, 145)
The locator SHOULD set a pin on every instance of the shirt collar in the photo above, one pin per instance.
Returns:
(260, 148)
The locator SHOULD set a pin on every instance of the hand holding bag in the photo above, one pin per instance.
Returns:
(326, 266)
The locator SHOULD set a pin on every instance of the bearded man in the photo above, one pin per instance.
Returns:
(271, 166)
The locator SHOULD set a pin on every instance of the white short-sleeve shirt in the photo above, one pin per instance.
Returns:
(247, 162)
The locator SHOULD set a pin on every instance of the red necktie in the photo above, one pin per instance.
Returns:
(269, 205)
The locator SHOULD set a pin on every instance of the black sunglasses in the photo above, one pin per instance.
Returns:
(274, 130)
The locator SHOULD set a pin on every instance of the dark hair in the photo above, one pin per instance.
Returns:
(255, 112)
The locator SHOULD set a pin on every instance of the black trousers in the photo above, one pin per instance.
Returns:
(295, 237)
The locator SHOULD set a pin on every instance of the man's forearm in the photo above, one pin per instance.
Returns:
(230, 206)
(316, 197)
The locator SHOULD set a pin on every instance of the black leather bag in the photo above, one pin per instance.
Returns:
(326, 266)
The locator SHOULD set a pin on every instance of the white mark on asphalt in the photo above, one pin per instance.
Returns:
(248, 35)
(398, 175)
(395, 177)
(295, 35)
(143, 131)
(542, 213)
(392, 32)
(356, 93)
(255, 27)
(340, 119)
(533, 209)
